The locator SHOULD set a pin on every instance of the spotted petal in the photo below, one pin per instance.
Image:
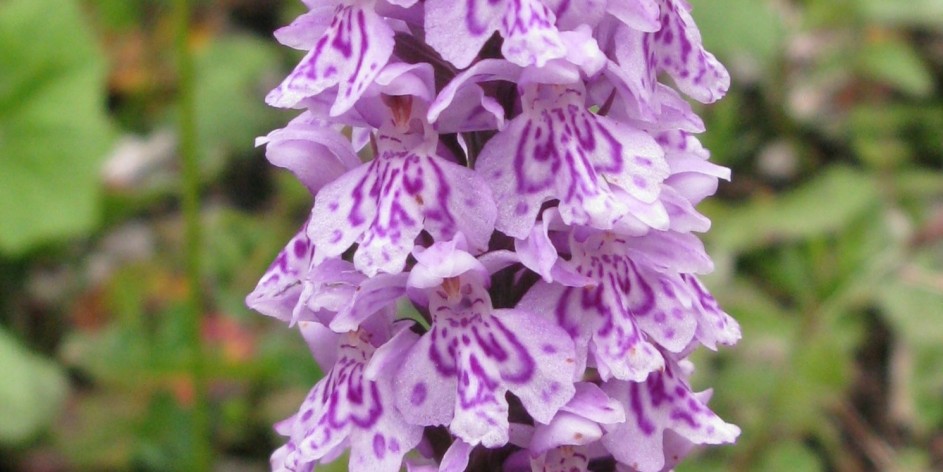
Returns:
(599, 323)
(628, 305)
(664, 401)
(346, 408)
(530, 37)
(714, 325)
(459, 371)
(279, 290)
(349, 54)
(559, 150)
(385, 204)
(458, 30)
(458, 375)
(682, 55)
(661, 306)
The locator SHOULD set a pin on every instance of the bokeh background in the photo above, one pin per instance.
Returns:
(828, 241)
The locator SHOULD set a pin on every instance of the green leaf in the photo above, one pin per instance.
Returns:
(231, 73)
(790, 456)
(750, 370)
(31, 393)
(733, 28)
(896, 63)
(823, 206)
(53, 129)
(914, 312)
(912, 308)
(927, 13)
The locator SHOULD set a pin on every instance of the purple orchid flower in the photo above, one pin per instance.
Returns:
(408, 188)
(457, 374)
(501, 267)
(348, 408)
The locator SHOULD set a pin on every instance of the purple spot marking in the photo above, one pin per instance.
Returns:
(521, 208)
(379, 445)
(418, 395)
(635, 402)
(301, 248)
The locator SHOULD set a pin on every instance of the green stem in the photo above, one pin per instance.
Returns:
(200, 434)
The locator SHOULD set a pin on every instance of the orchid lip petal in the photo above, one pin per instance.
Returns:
(385, 204)
(682, 55)
(559, 150)
(279, 290)
(350, 54)
(347, 408)
(664, 401)
(459, 371)
(530, 37)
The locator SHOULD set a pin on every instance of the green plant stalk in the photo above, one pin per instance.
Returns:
(187, 150)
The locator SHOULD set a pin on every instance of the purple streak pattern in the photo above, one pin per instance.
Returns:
(345, 407)
(349, 54)
(501, 265)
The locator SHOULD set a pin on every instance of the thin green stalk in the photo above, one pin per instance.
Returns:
(200, 434)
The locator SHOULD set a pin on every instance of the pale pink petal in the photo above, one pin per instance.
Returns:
(349, 54)
(530, 37)
(279, 289)
(664, 401)
(681, 54)
(314, 152)
(641, 15)
(457, 29)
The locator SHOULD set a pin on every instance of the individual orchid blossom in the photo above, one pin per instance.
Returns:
(406, 189)
(457, 373)
(348, 408)
(501, 267)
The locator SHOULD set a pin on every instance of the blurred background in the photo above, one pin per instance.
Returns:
(828, 241)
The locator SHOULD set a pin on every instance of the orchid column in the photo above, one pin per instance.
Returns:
(501, 266)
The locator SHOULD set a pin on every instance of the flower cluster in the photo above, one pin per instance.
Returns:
(500, 270)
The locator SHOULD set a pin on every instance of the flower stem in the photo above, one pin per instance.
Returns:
(201, 453)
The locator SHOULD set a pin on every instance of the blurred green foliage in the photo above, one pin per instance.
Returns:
(828, 242)
(54, 132)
